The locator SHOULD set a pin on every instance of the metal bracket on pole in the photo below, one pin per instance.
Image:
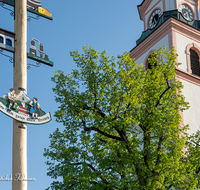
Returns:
(10, 58)
(30, 17)
(11, 12)
(22, 126)
(38, 64)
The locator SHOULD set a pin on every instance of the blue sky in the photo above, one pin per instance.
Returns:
(112, 25)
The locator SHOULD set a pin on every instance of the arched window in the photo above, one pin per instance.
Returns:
(150, 65)
(1, 39)
(8, 42)
(194, 61)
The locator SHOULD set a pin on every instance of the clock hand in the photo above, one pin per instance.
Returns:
(154, 21)
(185, 15)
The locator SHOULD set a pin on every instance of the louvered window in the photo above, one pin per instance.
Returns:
(1, 40)
(194, 60)
(151, 65)
(8, 42)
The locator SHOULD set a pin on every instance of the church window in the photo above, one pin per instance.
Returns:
(8, 42)
(1, 39)
(194, 60)
(150, 65)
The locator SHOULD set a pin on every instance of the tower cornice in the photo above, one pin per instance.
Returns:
(146, 3)
(169, 27)
(177, 15)
(143, 6)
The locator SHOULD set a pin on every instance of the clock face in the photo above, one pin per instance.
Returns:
(186, 12)
(154, 18)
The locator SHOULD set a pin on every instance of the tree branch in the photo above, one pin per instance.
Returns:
(168, 87)
(195, 143)
(126, 109)
(147, 153)
(158, 102)
(108, 168)
(101, 132)
(198, 170)
(121, 163)
(123, 135)
(169, 187)
(102, 140)
(158, 149)
(117, 114)
(85, 107)
(142, 127)
(92, 168)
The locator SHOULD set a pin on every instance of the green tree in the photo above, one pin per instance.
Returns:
(122, 125)
(193, 155)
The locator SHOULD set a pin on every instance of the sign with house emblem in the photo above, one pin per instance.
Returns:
(43, 57)
(33, 6)
(22, 108)
(7, 40)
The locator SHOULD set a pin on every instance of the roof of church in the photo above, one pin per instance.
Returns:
(198, 1)
(140, 6)
(165, 16)
(141, 3)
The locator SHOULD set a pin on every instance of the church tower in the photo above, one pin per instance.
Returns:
(174, 23)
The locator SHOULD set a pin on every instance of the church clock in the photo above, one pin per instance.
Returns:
(186, 12)
(154, 18)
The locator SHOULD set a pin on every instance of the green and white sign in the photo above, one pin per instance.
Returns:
(36, 58)
(33, 53)
(33, 6)
(23, 109)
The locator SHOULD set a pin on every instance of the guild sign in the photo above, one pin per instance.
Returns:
(22, 108)
(7, 40)
(33, 6)
(43, 57)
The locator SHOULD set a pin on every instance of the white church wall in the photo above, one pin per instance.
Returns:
(169, 5)
(152, 5)
(181, 44)
(192, 115)
(179, 1)
(141, 60)
(194, 9)
(163, 42)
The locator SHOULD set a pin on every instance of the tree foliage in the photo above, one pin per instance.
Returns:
(122, 125)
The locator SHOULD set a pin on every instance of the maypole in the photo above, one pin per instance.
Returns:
(16, 104)
(19, 153)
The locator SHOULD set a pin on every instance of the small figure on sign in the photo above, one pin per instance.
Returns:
(33, 48)
(34, 108)
(22, 108)
(11, 99)
(40, 49)
(46, 57)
